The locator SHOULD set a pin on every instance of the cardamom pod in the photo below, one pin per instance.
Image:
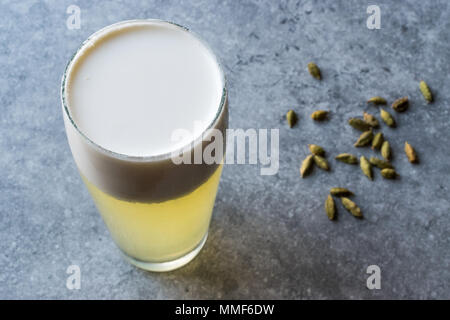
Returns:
(316, 150)
(351, 207)
(388, 173)
(366, 167)
(291, 118)
(386, 150)
(364, 139)
(306, 166)
(400, 104)
(359, 124)
(377, 141)
(379, 163)
(411, 153)
(371, 120)
(426, 92)
(321, 162)
(330, 208)
(377, 100)
(319, 115)
(340, 192)
(387, 118)
(314, 70)
(347, 158)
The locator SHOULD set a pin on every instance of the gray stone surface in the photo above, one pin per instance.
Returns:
(269, 236)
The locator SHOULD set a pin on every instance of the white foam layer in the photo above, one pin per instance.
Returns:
(137, 82)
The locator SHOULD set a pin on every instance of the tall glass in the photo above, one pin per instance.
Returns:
(157, 211)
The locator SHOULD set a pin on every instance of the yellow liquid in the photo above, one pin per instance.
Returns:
(158, 232)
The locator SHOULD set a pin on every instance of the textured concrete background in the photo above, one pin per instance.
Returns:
(269, 236)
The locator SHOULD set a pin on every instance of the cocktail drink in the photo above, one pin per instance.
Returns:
(125, 92)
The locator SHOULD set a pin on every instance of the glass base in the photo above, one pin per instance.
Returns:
(168, 265)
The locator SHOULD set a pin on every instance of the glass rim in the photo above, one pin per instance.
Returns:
(151, 158)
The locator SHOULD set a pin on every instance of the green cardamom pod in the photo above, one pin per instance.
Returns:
(340, 192)
(371, 120)
(319, 115)
(377, 141)
(321, 162)
(400, 104)
(364, 139)
(388, 173)
(386, 150)
(291, 118)
(351, 207)
(379, 163)
(316, 150)
(347, 158)
(359, 124)
(411, 153)
(306, 166)
(314, 70)
(366, 167)
(426, 92)
(387, 118)
(330, 208)
(377, 100)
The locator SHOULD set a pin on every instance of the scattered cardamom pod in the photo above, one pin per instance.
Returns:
(306, 166)
(386, 150)
(377, 141)
(387, 118)
(330, 208)
(340, 192)
(291, 118)
(411, 153)
(371, 120)
(351, 207)
(316, 150)
(319, 115)
(377, 100)
(426, 92)
(379, 163)
(364, 139)
(314, 70)
(321, 162)
(400, 104)
(366, 167)
(388, 173)
(347, 158)
(359, 124)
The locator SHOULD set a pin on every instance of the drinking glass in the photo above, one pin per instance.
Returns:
(157, 212)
